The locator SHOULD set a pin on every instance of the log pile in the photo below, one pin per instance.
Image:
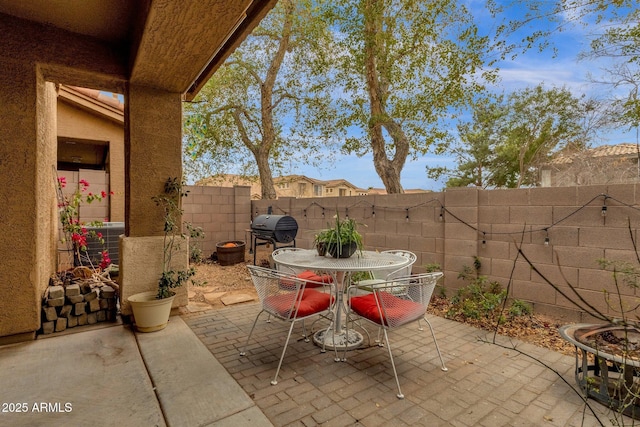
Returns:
(78, 297)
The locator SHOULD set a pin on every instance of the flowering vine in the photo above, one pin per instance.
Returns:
(73, 228)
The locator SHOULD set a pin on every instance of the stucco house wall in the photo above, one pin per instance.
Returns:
(85, 118)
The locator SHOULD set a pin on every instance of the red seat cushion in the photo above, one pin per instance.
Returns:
(397, 311)
(312, 302)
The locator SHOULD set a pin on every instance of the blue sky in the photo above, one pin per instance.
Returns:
(527, 70)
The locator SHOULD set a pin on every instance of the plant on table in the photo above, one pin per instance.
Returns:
(76, 231)
(337, 238)
(171, 203)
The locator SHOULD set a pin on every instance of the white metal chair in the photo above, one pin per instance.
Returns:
(381, 276)
(388, 309)
(288, 298)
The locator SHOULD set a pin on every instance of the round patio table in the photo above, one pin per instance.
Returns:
(338, 268)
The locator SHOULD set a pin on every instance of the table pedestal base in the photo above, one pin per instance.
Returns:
(338, 340)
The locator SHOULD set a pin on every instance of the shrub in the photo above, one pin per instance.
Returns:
(481, 299)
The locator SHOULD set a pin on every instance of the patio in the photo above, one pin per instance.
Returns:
(486, 385)
(114, 377)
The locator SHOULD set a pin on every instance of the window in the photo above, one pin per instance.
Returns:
(343, 192)
(317, 190)
(302, 188)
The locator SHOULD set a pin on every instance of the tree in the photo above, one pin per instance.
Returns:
(474, 153)
(507, 141)
(613, 27)
(268, 103)
(406, 66)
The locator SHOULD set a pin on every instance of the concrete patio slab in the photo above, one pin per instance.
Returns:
(93, 378)
(193, 388)
(110, 376)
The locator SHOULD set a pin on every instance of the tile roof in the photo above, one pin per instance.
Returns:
(624, 149)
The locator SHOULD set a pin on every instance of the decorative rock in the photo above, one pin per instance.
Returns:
(101, 315)
(93, 305)
(91, 295)
(75, 299)
(48, 327)
(107, 292)
(82, 319)
(50, 313)
(72, 321)
(66, 311)
(55, 302)
(78, 308)
(92, 318)
(56, 292)
(72, 290)
(61, 324)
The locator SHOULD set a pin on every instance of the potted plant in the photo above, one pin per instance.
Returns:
(341, 240)
(151, 309)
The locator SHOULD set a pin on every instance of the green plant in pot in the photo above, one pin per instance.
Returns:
(340, 240)
(151, 309)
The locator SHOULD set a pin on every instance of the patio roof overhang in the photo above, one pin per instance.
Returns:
(173, 45)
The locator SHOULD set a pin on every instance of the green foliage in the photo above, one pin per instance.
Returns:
(171, 203)
(628, 272)
(508, 139)
(520, 308)
(480, 299)
(196, 234)
(431, 267)
(270, 101)
(342, 232)
(406, 67)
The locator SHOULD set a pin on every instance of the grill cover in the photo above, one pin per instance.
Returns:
(281, 228)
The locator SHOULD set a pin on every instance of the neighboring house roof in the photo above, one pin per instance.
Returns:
(618, 150)
(230, 180)
(93, 101)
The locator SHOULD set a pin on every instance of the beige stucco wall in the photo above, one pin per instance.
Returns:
(141, 267)
(74, 122)
(27, 245)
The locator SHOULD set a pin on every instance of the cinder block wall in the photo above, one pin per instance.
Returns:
(224, 213)
(513, 225)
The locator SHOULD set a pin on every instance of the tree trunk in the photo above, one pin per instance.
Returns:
(387, 169)
(262, 152)
(266, 179)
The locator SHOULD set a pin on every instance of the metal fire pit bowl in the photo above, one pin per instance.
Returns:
(607, 364)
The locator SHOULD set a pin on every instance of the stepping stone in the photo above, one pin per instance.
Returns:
(236, 299)
(213, 297)
(195, 307)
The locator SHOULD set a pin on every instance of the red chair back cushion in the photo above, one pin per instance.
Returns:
(310, 275)
(285, 305)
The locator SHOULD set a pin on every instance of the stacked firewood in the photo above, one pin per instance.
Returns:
(77, 297)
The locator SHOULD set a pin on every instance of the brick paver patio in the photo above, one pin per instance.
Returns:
(486, 385)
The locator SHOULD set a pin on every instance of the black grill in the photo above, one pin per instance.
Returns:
(280, 228)
(273, 229)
